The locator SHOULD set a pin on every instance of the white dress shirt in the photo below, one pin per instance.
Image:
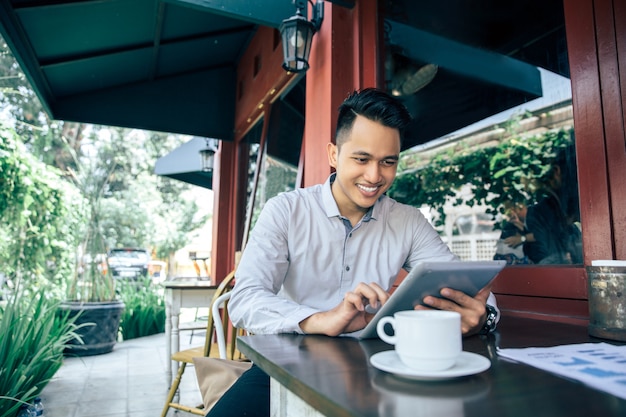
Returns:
(302, 256)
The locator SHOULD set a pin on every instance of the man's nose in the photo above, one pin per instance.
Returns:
(372, 172)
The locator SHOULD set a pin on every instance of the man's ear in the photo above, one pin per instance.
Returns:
(555, 181)
(558, 175)
(333, 152)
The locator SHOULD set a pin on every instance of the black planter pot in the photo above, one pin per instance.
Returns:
(99, 337)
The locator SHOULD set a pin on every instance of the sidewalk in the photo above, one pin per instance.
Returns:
(128, 382)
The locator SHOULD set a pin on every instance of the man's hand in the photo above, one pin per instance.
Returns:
(513, 241)
(472, 310)
(349, 315)
(515, 221)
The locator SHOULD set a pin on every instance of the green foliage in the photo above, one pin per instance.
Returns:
(92, 279)
(144, 314)
(42, 136)
(138, 208)
(508, 172)
(175, 218)
(41, 216)
(176, 226)
(32, 339)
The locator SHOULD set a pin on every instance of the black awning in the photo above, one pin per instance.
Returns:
(184, 164)
(157, 65)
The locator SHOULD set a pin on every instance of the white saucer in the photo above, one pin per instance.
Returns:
(467, 364)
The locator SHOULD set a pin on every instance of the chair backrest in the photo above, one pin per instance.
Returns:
(220, 334)
(225, 328)
(224, 287)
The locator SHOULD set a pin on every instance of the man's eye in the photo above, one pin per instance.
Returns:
(360, 160)
(388, 162)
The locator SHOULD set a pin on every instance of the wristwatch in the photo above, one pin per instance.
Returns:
(523, 238)
(490, 323)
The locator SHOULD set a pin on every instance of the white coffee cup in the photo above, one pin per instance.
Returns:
(425, 340)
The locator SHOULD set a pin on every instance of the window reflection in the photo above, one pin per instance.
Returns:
(471, 182)
(554, 217)
(275, 177)
(491, 99)
(276, 170)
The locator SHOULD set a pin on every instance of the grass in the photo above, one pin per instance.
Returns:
(144, 314)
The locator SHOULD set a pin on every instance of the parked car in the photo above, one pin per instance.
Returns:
(129, 262)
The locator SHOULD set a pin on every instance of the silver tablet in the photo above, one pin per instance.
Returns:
(428, 278)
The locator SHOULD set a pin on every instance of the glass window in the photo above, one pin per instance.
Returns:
(491, 151)
(278, 167)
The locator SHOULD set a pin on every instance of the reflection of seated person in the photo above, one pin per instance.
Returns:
(510, 246)
(552, 219)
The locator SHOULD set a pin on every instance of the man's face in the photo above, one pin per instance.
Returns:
(366, 166)
(520, 212)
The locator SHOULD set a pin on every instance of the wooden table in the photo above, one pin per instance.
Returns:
(182, 293)
(323, 376)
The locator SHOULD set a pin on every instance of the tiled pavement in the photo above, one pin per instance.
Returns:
(130, 381)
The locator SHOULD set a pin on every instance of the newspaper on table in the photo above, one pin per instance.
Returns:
(599, 365)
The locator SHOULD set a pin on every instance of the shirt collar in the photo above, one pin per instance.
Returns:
(330, 205)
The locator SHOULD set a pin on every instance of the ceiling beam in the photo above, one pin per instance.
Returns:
(456, 57)
(207, 109)
(267, 13)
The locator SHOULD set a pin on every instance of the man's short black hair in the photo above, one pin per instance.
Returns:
(375, 105)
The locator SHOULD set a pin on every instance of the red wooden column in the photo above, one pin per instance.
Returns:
(260, 81)
(611, 33)
(596, 38)
(343, 58)
(224, 195)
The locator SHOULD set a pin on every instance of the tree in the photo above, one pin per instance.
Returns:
(47, 139)
(139, 208)
(41, 216)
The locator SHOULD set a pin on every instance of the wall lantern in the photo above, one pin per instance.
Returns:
(297, 33)
(208, 155)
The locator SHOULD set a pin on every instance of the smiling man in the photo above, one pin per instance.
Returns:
(318, 256)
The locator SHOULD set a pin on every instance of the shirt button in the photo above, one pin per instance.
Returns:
(347, 268)
(350, 235)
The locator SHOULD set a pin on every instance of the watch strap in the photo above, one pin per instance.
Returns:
(491, 321)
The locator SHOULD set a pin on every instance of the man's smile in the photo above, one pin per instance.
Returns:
(368, 189)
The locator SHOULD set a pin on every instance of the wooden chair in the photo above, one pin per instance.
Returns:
(185, 357)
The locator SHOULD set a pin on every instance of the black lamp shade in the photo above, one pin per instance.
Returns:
(207, 156)
(296, 33)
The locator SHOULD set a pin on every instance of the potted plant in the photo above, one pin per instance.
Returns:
(91, 293)
(92, 297)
